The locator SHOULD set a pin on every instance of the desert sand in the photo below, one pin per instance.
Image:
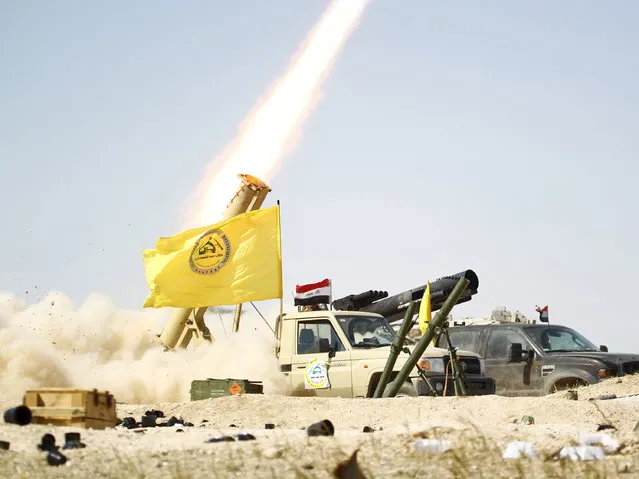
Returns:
(478, 428)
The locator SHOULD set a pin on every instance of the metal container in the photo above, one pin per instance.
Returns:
(214, 388)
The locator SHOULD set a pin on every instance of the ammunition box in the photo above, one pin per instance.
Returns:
(213, 388)
(90, 409)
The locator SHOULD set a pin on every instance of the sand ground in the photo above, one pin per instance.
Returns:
(479, 429)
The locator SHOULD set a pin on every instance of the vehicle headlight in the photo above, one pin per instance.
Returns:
(482, 367)
(432, 365)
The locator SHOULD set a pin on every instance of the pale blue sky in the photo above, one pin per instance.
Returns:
(498, 136)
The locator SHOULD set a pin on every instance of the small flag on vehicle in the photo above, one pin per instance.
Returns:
(543, 313)
(313, 293)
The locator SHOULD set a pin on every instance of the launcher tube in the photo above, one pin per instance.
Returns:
(395, 348)
(425, 340)
(249, 196)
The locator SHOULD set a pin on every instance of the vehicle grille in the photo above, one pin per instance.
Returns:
(630, 367)
(470, 365)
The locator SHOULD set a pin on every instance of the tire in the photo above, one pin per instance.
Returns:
(567, 383)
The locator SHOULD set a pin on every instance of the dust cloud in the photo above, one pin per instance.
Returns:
(54, 344)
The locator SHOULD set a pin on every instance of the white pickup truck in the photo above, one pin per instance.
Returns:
(333, 353)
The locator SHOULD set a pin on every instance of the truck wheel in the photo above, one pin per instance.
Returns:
(407, 390)
(567, 383)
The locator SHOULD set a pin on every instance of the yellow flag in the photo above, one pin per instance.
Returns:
(235, 261)
(424, 317)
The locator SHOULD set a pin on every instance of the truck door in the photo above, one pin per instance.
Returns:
(315, 339)
(520, 378)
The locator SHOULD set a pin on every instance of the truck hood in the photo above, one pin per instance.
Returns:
(614, 357)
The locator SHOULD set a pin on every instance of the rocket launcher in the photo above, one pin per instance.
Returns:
(186, 324)
(393, 307)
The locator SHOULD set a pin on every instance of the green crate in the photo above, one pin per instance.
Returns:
(213, 388)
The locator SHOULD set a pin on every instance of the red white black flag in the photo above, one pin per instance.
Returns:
(543, 313)
(313, 293)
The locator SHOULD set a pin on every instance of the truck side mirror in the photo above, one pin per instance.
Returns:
(331, 353)
(603, 348)
(515, 353)
(324, 345)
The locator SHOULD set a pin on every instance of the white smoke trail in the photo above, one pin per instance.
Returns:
(271, 129)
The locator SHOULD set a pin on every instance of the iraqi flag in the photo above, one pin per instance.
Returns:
(313, 293)
(543, 313)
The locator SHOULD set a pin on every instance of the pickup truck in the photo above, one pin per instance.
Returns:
(334, 353)
(538, 359)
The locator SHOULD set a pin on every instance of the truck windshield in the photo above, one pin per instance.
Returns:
(367, 331)
(554, 340)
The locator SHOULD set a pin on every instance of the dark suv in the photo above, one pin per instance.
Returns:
(537, 359)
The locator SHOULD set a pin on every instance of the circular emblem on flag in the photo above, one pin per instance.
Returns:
(210, 252)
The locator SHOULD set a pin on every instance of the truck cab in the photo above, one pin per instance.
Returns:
(530, 359)
(334, 353)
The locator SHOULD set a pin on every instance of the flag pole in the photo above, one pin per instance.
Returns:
(279, 235)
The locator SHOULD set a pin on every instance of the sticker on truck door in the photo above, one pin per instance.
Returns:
(316, 375)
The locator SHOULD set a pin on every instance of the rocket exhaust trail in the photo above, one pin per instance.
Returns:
(270, 130)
